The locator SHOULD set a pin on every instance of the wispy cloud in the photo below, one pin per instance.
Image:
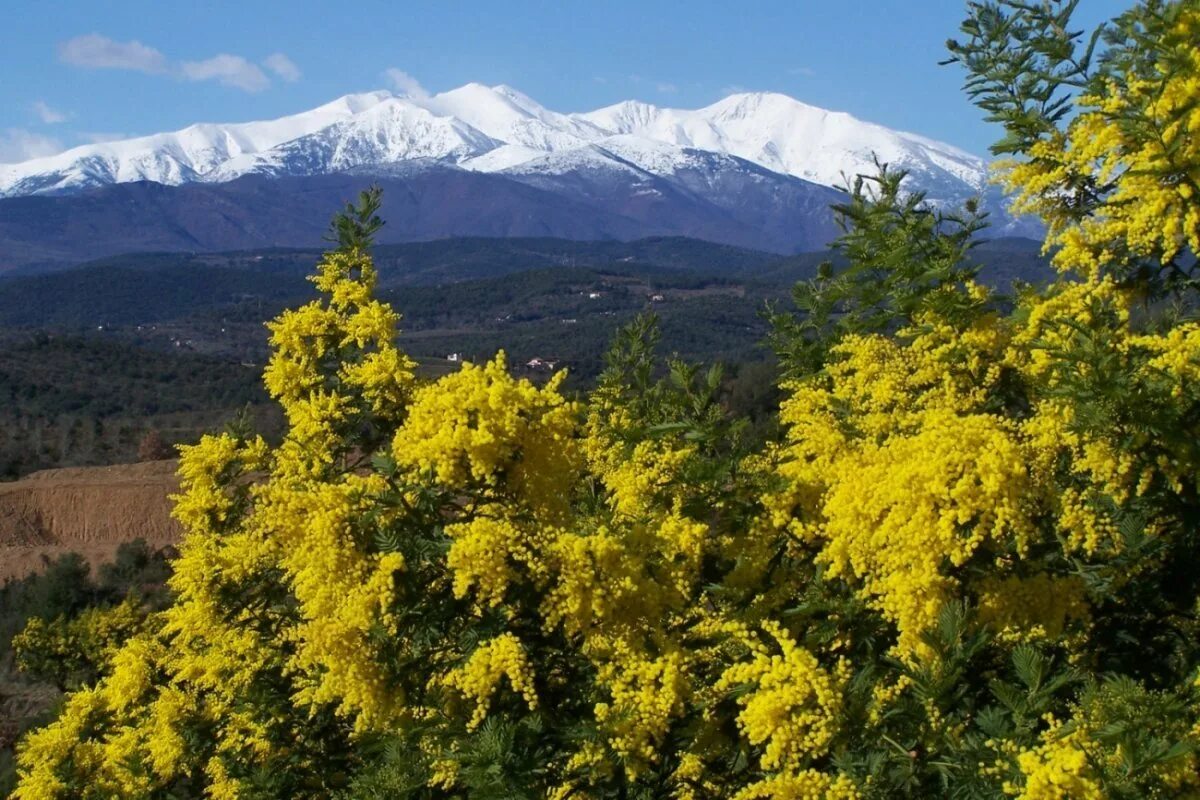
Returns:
(94, 51)
(227, 70)
(282, 66)
(18, 144)
(804, 72)
(733, 88)
(46, 114)
(666, 88)
(404, 83)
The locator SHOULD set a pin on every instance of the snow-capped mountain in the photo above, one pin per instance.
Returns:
(498, 129)
(192, 154)
(785, 135)
(753, 170)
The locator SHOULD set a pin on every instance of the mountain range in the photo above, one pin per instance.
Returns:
(754, 169)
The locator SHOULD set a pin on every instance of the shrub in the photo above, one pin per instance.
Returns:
(964, 569)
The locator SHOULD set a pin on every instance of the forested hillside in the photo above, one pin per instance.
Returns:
(95, 357)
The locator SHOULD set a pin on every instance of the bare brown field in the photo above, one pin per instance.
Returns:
(86, 510)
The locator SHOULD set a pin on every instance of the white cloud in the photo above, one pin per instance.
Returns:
(404, 83)
(228, 70)
(47, 114)
(99, 52)
(666, 88)
(18, 144)
(282, 66)
(806, 72)
(94, 51)
(733, 89)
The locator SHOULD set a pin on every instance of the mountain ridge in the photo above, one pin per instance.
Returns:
(425, 202)
(756, 170)
(462, 126)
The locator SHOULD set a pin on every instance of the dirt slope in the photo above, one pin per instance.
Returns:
(88, 510)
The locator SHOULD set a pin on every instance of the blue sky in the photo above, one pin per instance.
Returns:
(82, 71)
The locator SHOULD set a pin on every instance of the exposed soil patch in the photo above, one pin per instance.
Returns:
(87, 510)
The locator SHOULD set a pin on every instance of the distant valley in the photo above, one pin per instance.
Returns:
(92, 357)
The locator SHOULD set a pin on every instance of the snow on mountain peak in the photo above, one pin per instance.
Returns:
(355, 103)
(497, 128)
(744, 104)
(520, 98)
(623, 117)
(190, 154)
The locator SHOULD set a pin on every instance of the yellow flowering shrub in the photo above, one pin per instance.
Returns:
(963, 567)
(480, 426)
(68, 650)
(899, 516)
(484, 554)
(1135, 146)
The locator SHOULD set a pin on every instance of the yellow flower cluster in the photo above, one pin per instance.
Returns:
(634, 478)
(502, 657)
(807, 784)
(794, 709)
(1061, 319)
(47, 752)
(484, 554)
(647, 693)
(90, 639)
(899, 515)
(333, 362)
(1057, 769)
(343, 594)
(896, 476)
(353, 330)
(479, 426)
(1176, 354)
(1071, 762)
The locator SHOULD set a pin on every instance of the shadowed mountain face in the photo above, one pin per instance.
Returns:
(742, 206)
